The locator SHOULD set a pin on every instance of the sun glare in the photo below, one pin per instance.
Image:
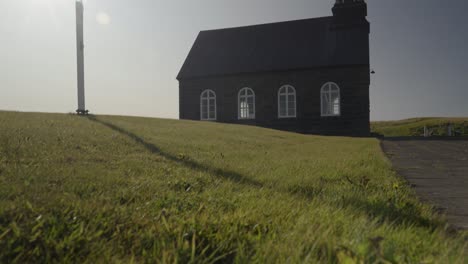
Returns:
(103, 18)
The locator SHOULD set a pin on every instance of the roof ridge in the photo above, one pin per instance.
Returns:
(268, 24)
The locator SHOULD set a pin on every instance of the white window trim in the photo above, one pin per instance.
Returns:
(208, 105)
(239, 106)
(321, 100)
(287, 102)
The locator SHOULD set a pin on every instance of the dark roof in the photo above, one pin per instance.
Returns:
(299, 44)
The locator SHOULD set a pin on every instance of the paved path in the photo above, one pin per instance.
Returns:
(438, 170)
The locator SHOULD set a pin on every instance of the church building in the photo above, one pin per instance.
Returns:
(308, 76)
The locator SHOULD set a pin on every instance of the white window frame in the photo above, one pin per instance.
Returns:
(329, 85)
(241, 95)
(208, 95)
(287, 94)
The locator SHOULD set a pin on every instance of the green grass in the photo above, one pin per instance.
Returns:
(126, 189)
(415, 126)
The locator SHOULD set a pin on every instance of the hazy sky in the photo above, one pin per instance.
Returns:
(134, 50)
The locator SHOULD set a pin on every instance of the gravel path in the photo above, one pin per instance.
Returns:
(438, 170)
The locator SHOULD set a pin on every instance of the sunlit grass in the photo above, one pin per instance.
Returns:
(121, 189)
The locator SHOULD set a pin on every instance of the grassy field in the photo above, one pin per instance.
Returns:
(140, 190)
(415, 126)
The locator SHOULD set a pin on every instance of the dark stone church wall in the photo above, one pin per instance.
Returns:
(354, 88)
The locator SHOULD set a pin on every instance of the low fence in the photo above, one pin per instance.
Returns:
(444, 130)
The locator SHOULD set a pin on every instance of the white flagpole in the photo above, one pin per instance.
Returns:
(80, 58)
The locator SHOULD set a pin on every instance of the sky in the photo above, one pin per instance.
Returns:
(134, 50)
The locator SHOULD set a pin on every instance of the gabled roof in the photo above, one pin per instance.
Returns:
(299, 44)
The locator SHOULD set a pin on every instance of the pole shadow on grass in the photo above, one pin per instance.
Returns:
(226, 174)
(408, 214)
(381, 209)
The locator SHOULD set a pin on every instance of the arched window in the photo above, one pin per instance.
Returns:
(286, 102)
(330, 97)
(208, 105)
(246, 104)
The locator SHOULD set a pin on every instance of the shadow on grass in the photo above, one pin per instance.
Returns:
(385, 211)
(406, 215)
(226, 174)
